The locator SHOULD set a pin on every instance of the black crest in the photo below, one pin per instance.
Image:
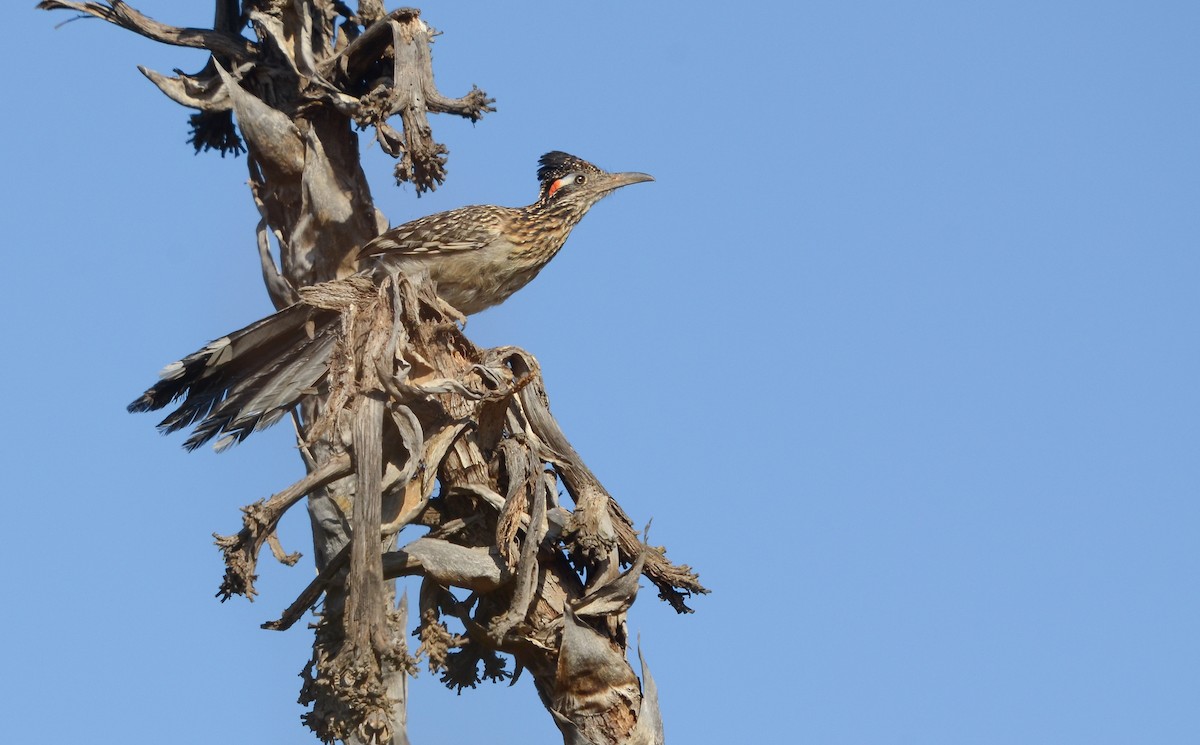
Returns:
(556, 164)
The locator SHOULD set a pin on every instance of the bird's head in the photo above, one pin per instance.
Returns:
(570, 181)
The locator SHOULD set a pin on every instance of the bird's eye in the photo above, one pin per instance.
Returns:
(580, 179)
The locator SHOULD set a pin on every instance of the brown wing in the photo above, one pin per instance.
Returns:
(463, 229)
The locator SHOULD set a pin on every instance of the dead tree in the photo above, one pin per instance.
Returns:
(413, 426)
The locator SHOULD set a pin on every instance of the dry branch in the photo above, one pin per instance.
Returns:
(118, 13)
(498, 537)
(259, 521)
(411, 423)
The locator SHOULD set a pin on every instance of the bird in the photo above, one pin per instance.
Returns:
(476, 256)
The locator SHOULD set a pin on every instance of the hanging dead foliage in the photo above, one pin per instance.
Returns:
(411, 428)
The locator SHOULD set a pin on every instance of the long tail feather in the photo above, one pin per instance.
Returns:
(247, 380)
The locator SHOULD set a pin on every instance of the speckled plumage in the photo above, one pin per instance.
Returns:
(477, 256)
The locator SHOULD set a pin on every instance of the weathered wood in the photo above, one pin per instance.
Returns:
(117, 12)
(260, 520)
(411, 424)
(598, 521)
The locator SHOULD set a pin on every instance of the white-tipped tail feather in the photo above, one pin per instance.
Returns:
(247, 380)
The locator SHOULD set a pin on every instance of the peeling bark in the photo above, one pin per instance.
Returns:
(413, 426)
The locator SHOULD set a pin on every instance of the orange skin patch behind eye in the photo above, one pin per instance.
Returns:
(556, 186)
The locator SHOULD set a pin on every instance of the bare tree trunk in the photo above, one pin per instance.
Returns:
(409, 407)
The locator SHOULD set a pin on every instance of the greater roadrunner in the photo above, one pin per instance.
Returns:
(476, 256)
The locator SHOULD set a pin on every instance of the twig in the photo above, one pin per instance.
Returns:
(118, 13)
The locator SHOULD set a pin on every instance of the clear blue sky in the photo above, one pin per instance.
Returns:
(900, 352)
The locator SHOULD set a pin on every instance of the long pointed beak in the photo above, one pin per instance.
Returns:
(610, 181)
